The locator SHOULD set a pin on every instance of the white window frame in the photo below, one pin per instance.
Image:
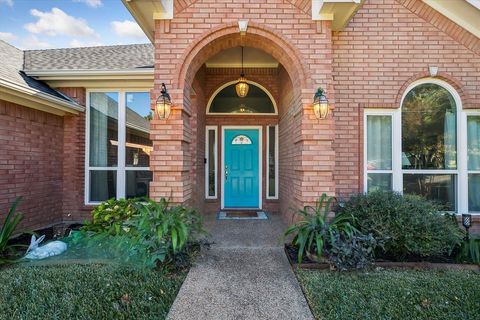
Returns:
(216, 92)
(377, 112)
(467, 113)
(275, 196)
(215, 160)
(461, 171)
(121, 168)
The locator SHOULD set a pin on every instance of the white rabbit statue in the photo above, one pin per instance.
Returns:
(51, 249)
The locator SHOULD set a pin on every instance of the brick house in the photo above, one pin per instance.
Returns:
(402, 79)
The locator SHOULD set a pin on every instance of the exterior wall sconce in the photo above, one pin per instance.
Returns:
(467, 223)
(320, 104)
(163, 106)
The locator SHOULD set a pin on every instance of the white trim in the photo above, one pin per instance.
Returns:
(63, 105)
(376, 112)
(260, 161)
(241, 114)
(267, 196)
(79, 73)
(121, 167)
(215, 159)
(461, 173)
(469, 113)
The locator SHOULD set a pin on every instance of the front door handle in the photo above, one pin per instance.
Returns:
(226, 173)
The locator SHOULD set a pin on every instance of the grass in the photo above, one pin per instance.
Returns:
(392, 294)
(91, 291)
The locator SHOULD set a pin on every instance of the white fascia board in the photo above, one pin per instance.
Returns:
(67, 106)
(90, 73)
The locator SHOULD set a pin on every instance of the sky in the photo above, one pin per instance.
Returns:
(44, 24)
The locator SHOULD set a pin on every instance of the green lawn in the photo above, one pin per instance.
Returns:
(392, 294)
(90, 291)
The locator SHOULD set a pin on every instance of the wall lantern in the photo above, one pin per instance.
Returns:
(320, 104)
(242, 86)
(467, 222)
(163, 106)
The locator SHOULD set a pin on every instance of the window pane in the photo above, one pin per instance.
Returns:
(473, 132)
(103, 129)
(227, 101)
(138, 116)
(211, 163)
(137, 183)
(379, 142)
(103, 185)
(379, 182)
(440, 188)
(271, 162)
(429, 139)
(474, 192)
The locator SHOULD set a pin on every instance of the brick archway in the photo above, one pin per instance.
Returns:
(228, 36)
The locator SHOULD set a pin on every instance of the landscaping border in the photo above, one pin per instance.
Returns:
(389, 265)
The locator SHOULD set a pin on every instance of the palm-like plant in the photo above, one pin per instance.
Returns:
(314, 232)
(8, 227)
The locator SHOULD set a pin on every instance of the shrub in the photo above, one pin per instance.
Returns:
(404, 225)
(7, 229)
(470, 251)
(350, 253)
(110, 215)
(314, 231)
(152, 233)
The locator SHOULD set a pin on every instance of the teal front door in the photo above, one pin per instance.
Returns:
(241, 168)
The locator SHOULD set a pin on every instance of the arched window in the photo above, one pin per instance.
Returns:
(429, 143)
(226, 101)
(429, 146)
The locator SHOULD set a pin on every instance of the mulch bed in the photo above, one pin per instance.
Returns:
(449, 264)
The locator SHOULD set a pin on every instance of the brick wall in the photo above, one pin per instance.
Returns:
(31, 160)
(383, 49)
(282, 29)
(74, 209)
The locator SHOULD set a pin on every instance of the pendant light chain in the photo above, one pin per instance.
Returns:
(242, 86)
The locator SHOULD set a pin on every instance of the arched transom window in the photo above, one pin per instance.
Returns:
(429, 147)
(226, 101)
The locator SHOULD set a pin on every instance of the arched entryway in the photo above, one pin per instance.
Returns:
(284, 135)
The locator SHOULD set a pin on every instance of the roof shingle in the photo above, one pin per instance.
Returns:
(11, 67)
(120, 57)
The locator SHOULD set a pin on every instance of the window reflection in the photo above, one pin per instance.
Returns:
(103, 129)
(429, 128)
(138, 115)
(440, 188)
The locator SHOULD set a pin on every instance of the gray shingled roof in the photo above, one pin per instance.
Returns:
(122, 57)
(11, 70)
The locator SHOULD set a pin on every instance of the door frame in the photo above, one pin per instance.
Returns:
(260, 161)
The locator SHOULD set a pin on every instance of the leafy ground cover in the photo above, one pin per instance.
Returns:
(392, 294)
(89, 291)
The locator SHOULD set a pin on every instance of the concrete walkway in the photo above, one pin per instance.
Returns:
(245, 275)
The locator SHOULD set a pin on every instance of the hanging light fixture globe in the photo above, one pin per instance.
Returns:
(242, 86)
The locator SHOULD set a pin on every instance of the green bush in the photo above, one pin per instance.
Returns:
(151, 233)
(404, 225)
(315, 232)
(6, 232)
(470, 251)
(352, 253)
(111, 214)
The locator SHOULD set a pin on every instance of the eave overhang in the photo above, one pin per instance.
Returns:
(145, 12)
(340, 12)
(465, 13)
(135, 78)
(31, 98)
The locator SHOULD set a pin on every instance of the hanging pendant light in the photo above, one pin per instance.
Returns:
(242, 86)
